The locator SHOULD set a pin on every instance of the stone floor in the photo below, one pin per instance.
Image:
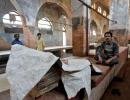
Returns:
(121, 86)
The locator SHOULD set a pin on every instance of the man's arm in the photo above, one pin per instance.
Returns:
(116, 53)
(99, 51)
(110, 59)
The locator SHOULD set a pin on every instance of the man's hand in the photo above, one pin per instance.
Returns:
(99, 60)
(108, 61)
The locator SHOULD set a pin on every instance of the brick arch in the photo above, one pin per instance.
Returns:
(94, 25)
(63, 6)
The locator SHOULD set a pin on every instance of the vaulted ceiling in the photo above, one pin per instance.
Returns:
(106, 3)
(6, 5)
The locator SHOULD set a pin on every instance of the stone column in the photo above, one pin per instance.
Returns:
(80, 25)
(119, 12)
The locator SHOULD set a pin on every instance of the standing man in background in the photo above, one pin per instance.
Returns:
(40, 42)
(16, 40)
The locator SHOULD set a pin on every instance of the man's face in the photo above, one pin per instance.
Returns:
(108, 38)
(39, 36)
(17, 36)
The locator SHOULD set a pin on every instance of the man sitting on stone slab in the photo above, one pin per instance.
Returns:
(108, 52)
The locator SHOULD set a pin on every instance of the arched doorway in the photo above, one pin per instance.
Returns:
(52, 22)
(93, 32)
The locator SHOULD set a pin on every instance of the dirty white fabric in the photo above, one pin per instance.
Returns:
(97, 69)
(75, 64)
(25, 68)
(76, 75)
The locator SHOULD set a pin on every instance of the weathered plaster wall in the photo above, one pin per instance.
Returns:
(120, 13)
(30, 9)
(5, 7)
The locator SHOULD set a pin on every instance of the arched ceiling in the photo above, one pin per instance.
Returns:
(104, 3)
(53, 6)
(5, 7)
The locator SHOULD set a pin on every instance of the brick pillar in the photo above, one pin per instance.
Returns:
(80, 22)
(79, 40)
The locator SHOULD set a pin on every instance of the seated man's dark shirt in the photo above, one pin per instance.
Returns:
(108, 50)
(17, 42)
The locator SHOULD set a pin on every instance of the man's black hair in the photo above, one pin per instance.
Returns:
(15, 35)
(108, 33)
(38, 34)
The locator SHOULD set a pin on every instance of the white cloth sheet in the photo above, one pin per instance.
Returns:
(97, 69)
(25, 68)
(76, 75)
